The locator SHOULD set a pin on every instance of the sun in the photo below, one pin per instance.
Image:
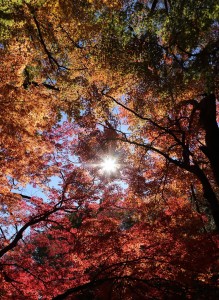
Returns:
(109, 165)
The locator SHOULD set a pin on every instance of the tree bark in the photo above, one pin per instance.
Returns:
(208, 120)
(209, 195)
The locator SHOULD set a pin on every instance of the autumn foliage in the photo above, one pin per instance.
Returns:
(82, 81)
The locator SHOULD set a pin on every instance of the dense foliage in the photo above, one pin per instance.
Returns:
(86, 80)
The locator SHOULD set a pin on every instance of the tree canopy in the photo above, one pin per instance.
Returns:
(109, 109)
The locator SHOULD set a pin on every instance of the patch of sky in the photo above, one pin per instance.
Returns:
(197, 50)
(29, 191)
(82, 43)
(97, 14)
(51, 81)
(62, 69)
(63, 118)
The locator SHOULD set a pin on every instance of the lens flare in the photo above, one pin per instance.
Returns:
(109, 165)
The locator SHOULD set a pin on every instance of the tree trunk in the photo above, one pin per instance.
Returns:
(208, 120)
(209, 195)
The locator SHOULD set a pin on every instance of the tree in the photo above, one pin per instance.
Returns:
(135, 80)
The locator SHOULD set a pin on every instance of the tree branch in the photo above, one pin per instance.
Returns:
(48, 53)
(209, 193)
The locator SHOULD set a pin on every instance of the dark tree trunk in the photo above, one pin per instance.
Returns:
(209, 194)
(208, 120)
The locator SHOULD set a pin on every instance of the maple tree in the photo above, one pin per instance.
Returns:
(136, 81)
